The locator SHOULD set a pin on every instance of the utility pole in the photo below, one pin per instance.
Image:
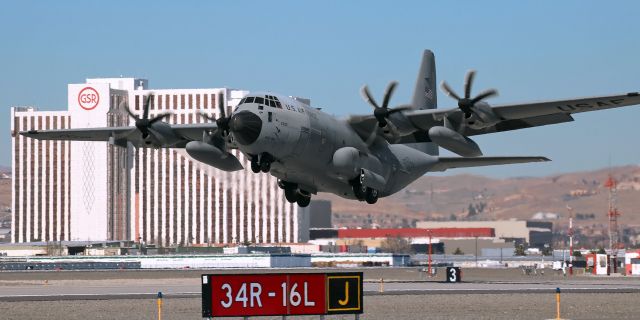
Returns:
(476, 252)
(430, 250)
(570, 233)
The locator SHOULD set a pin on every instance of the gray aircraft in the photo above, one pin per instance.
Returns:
(361, 157)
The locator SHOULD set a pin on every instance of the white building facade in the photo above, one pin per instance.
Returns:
(97, 191)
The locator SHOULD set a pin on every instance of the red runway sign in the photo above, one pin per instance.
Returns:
(281, 294)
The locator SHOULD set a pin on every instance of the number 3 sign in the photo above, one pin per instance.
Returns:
(454, 274)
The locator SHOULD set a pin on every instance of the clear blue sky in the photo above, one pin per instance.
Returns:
(326, 50)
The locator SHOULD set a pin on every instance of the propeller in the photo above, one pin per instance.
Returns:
(466, 104)
(383, 112)
(217, 138)
(144, 124)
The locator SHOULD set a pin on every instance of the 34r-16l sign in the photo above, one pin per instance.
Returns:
(233, 295)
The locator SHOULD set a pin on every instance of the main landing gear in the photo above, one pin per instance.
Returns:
(261, 163)
(362, 192)
(293, 194)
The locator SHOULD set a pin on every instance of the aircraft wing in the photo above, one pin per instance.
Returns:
(522, 115)
(445, 163)
(183, 132)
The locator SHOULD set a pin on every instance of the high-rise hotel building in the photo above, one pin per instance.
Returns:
(95, 191)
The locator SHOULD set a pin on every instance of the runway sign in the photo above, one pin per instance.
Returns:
(454, 274)
(243, 295)
(344, 293)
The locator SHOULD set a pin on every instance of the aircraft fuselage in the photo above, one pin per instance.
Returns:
(304, 142)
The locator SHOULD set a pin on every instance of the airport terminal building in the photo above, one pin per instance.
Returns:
(96, 191)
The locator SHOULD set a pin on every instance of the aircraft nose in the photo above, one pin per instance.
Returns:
(246, 127)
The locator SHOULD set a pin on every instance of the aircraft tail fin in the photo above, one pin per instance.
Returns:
(424, 93)
(425, 96)
(445, 163)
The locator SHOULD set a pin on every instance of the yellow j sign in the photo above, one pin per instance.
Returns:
(344, 292)
(343, 302)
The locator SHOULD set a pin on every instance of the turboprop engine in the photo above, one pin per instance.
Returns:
(213, 156)
(454, 142)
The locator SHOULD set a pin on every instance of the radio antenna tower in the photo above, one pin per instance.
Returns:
(613, 213)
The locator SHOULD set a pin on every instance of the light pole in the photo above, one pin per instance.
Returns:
(476, 251)
(430, 250)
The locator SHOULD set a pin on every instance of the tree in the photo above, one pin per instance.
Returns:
(395, 245)
(520, 251)
(577, 253)
(471, 211)
(601, 250)
(458, 251)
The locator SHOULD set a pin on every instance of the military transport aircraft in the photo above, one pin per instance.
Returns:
(361, 157)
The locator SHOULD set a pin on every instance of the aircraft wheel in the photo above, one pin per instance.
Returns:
(303, 200)
(372, 196)
(291, 195)
(255, 166)
(265, 166)
(359, 191)
(265, 162)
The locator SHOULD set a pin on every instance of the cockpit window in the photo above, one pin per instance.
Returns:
(259, 100)
(272, 103)
(249, 99)
(242, 101)
(278, 104)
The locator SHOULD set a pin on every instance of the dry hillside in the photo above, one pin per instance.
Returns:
(464, 196)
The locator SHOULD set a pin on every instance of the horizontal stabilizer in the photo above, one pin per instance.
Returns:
(445, 163)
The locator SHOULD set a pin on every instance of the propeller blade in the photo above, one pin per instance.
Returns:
(223, 113)
(468, 82)
(394, 132)
(372, 137)
(131, 114)
(145, 107)
(485, 94)
(206, 116)
(160, 117)
(448, 91)
(388, 92)
(366, 95)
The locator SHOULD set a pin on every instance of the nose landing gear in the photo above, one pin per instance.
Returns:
(261, 163)
(293, 194)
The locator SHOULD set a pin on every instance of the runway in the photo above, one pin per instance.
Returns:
(407, 294)
(144, 285)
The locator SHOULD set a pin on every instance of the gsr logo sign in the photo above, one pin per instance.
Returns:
(88, 98)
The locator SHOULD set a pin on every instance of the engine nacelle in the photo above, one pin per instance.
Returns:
(454, 142)
(482, 117)
(213, 156)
